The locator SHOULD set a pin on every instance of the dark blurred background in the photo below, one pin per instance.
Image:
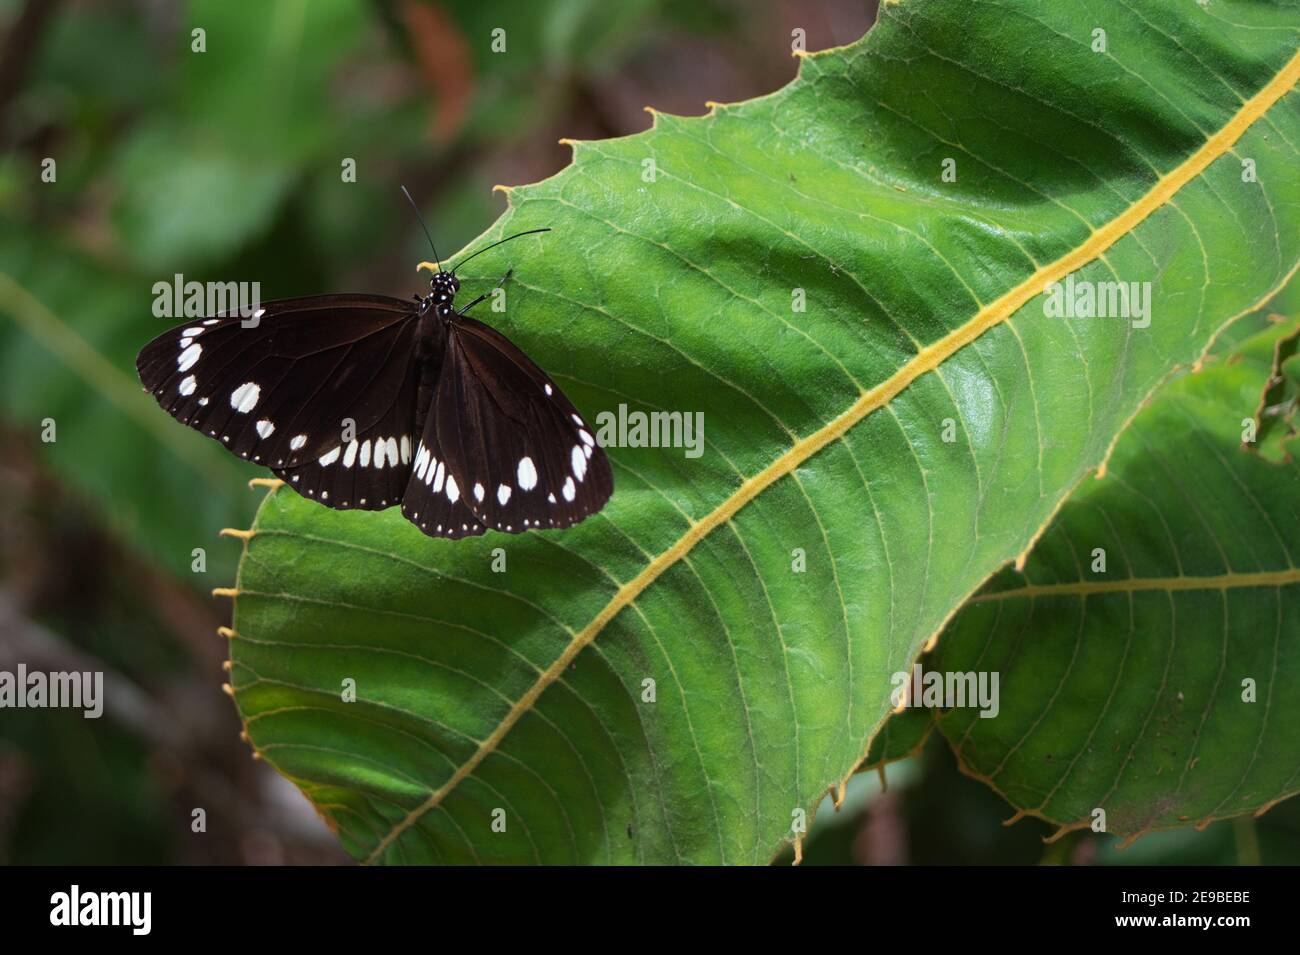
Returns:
(226, 165)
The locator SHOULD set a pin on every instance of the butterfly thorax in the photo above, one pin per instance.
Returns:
(442, 295)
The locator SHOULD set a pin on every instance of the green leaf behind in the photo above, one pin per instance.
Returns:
(1125, 689)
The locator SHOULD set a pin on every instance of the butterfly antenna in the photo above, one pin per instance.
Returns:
(495, 244)
(420, 219)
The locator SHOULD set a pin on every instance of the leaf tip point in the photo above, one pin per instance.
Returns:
(837, 795)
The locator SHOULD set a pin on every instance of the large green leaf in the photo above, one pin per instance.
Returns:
(1160, 686)
(523, 691)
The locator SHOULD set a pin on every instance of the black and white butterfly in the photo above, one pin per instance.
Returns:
(449, 418)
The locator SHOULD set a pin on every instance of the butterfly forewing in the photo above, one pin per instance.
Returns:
(503, 448)
(285, 391)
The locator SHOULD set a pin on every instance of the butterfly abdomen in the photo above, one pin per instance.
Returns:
(430, 348)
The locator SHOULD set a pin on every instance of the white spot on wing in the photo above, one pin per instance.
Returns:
(437, 478)
(569, 489)
(365, 453)
(391, 447)
(187, 385)
(453, 492)
(298, 441)
(191, 332)
(265, 428)
(406, 449)
(503, 494)
(330, 457)
(244, 398)
(578, 461)
(478, 492)
(189, 356)
(350, 455)
(526, 474)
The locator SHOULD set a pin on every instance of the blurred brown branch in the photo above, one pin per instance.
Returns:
(21, 44)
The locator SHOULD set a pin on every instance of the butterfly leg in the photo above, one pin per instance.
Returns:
(503, 281)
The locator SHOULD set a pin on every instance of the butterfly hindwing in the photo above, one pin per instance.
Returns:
(369, 472)
(502, 448)
(282, 392)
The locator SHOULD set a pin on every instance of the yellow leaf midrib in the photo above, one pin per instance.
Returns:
(1084, 588)
(926, 360)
